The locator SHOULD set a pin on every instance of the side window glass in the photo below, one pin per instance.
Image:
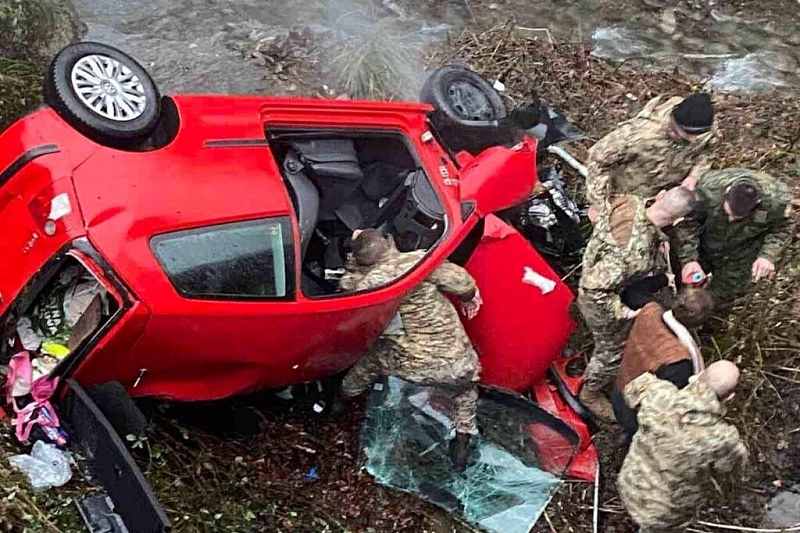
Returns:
(247, 260)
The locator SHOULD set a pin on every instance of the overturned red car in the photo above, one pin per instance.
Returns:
(188, 247)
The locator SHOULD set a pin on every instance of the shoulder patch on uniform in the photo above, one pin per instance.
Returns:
(760, 216)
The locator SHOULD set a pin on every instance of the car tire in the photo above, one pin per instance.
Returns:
(463, 96)
(103, 93)
(119, 408)
(468, 113)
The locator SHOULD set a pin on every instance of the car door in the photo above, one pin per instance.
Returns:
(524, 324)
(338, 328)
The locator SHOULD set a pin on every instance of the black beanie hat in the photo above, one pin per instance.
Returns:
(695, 114)
(742, 196)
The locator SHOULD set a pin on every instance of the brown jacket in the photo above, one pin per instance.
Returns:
(650, 345)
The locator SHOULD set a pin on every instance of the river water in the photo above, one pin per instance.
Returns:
(196, 45)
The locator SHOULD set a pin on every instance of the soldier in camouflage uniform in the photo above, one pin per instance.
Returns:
(736, 232)
(682, 441)
(431, 346)
(655, 150)
(625, 247)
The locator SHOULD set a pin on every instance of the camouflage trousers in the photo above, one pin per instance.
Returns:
(456, 383)
(729, 282)
(609, 336)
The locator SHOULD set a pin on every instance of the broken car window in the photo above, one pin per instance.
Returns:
(243, 259)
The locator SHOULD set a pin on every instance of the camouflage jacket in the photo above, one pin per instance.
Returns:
(643, 155)
(624, 247)
(682, 440)
(708, 234)
(432, 333)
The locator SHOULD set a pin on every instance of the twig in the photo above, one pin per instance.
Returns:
(545, 30)
(790, 380)
(549, 523)
(795, 527)
(596, 512)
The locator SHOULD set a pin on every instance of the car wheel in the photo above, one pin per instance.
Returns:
(103, 93)
(119, 408)
(463, 96)
(468, 112)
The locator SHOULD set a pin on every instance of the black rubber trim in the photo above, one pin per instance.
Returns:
(467, 208)
(572, 401)
(231, 143)
(69, 364)
(26, 158)
(532, 410)
(104, 454)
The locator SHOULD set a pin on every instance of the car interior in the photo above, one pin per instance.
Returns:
(56, 316)
(343, 181)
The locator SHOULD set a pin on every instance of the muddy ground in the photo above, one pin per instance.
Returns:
(277, 467)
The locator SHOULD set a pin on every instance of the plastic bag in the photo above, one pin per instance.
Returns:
(404, 440)
(46, 466)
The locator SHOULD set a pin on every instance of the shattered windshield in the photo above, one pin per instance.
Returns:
(507, 485)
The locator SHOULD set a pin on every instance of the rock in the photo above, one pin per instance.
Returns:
(668, 21)
(780, 61)
(783, 510)
(34, 30)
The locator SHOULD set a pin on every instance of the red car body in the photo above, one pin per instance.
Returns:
(219, 169)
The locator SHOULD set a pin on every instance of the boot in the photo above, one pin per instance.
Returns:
(460, 451)
(597, 403)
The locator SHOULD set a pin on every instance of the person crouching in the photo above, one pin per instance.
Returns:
(430, 347)
(659, 342)
(682, 441)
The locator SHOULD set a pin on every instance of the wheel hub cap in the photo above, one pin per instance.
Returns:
(108, 88)
(470, 102)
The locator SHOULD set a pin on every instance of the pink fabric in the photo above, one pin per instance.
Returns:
(41, 390)
(19, 369)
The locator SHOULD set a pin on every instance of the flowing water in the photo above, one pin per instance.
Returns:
(196, 45)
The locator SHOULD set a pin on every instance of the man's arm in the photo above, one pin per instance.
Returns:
(730, 453)
(611, 302)
(643, 388)
(702, 166)
(608, 152)
(687, 232)
(453, 279)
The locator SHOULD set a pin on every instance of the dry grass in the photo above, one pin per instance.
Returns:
(374, 59)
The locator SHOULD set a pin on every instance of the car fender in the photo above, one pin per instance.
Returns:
(499, 177)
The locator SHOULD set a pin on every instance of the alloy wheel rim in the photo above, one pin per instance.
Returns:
(108, 88)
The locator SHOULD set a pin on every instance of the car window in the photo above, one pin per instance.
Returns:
(240, 260)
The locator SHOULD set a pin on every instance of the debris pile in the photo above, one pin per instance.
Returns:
(288, 59)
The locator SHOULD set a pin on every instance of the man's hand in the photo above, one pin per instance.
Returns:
(762, 268)
(592, 213)
(690, 181)
(689, 270)
(630, 314)
(472, 307)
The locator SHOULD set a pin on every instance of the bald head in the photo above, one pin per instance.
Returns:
(671, 206)
(722, 377)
